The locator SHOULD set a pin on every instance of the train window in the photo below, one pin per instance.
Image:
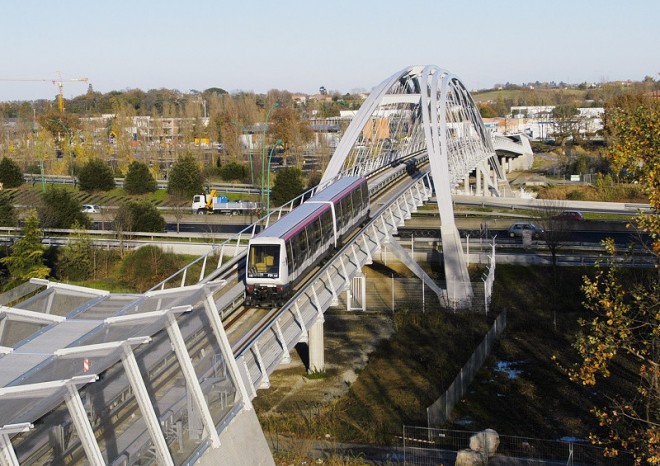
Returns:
(290, 260)
(357, 201)
(315, 234)
(300, 247)
(264, 260)
(339, 214)
(326, 223)
(348, 207)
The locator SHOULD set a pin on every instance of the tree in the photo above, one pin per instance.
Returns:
(287, 125)
(60, 209)
(8, 217)
(10, 173)
(288, 185)
(185, 178)
(75, 260)
(96, 175)
(139, 216)
(632, 129)
(626, 314)
(139, 179)
(26, 260)
(566, 122)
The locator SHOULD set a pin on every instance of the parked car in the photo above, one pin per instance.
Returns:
(569, 215)
(91, 208)
(517, 229)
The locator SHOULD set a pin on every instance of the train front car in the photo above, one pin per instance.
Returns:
(267, 274)
(284, 252)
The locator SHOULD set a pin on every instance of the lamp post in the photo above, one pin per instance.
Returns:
(41, 167)
(263, 150)
(270, 157)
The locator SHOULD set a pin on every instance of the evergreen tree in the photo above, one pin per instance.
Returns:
(75, 259)
(139, 216)
(288, 185)
(8, 217)
(26, 260)
(10, 173)
(185, 179)
(139, 179)
(60, 209)
(96, 175)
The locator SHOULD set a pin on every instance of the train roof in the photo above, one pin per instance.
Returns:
(309, 208)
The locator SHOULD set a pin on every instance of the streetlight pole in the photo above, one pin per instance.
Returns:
(270, 157)
(263, 150)
(41, 168)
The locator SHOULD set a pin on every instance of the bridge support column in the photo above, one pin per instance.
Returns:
(316, 347)
(477, 190)
(466, 185)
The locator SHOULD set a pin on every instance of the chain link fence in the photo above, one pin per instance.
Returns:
(439, 412)
(397, 294)
(432, 447)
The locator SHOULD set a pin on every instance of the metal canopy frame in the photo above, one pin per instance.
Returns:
(84, 329)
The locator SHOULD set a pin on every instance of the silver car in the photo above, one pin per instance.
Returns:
(90, 209)
(517, 229)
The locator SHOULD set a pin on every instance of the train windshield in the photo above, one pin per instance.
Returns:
(264, 260)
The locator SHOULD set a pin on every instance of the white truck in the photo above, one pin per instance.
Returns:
(212, 203)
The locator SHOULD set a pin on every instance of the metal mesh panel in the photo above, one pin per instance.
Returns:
(425, 447)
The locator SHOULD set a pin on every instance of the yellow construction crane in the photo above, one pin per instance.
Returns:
(60, 84)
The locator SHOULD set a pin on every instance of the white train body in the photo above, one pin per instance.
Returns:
(284, 252)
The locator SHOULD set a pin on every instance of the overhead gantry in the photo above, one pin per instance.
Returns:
(426, 108)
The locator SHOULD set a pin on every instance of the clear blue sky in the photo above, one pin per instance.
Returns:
(300, 45)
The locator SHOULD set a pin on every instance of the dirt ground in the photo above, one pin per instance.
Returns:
(349, 339)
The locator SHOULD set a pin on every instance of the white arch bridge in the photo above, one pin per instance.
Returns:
(167, 376)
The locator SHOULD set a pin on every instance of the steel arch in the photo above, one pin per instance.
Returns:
(423, 108)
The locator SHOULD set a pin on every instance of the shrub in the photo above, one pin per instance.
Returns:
(234, 172)
(147, 266)
(576, 195)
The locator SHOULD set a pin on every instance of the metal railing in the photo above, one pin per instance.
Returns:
(428, 447)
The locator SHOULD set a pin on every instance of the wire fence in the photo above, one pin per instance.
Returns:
(439, 412)
(431, 447)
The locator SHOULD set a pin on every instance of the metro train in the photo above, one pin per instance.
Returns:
(284, 252)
